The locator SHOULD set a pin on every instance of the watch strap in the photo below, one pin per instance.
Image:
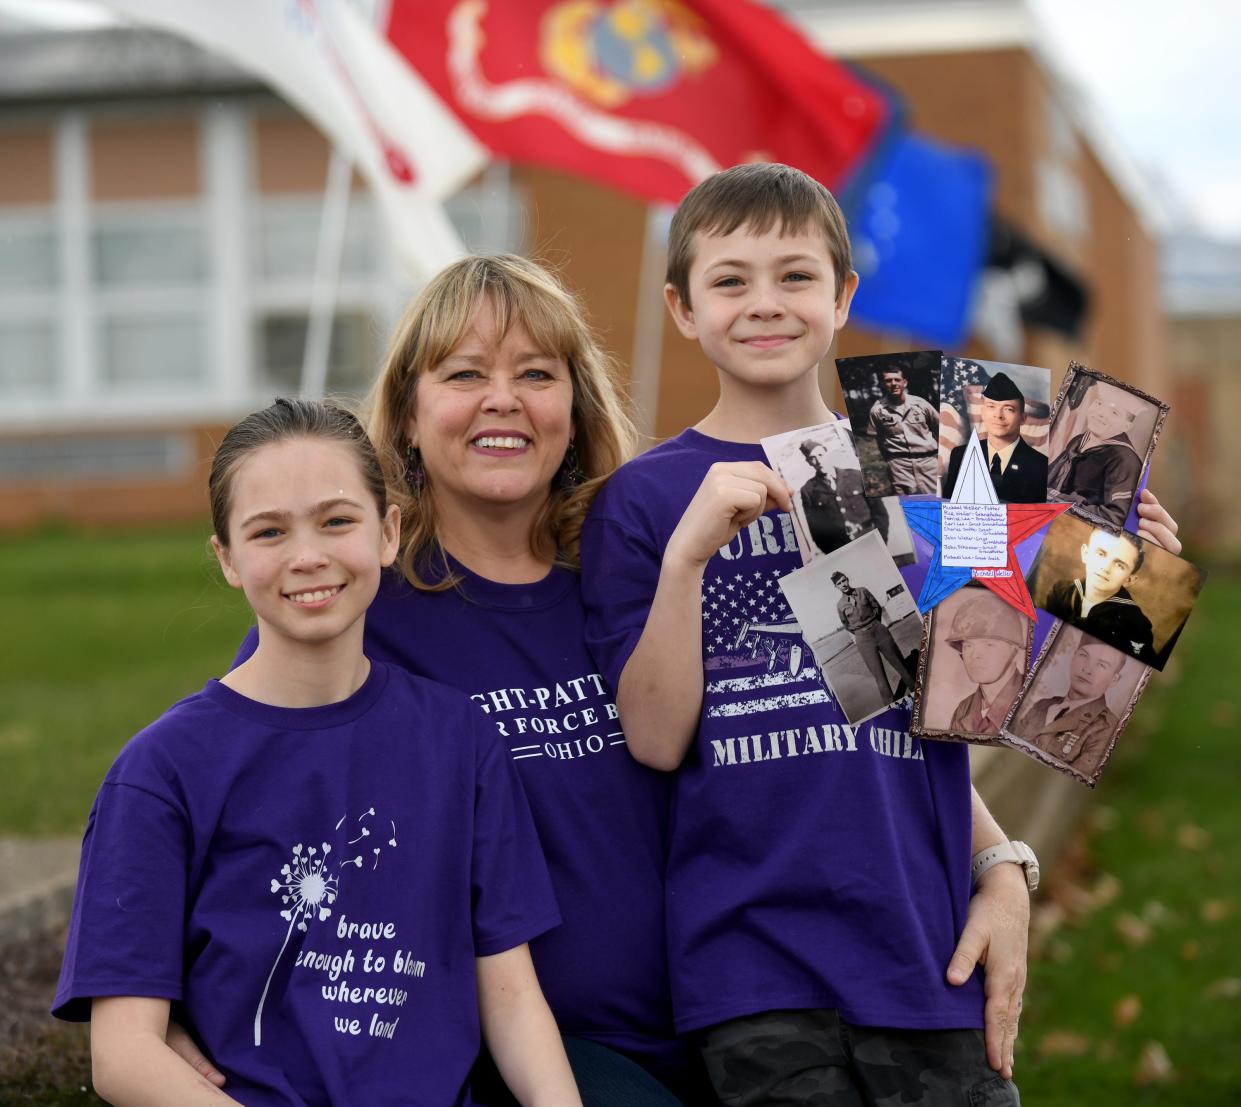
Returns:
(1017, 852)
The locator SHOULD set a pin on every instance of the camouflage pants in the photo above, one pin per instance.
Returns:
(816, 1059)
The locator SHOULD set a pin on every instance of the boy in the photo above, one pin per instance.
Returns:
(819, 872)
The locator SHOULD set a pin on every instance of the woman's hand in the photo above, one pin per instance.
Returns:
(1155, 523)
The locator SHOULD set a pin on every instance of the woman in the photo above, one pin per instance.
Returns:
(496, 416)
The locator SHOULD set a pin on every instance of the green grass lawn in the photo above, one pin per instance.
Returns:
(104, 632)
(109, 630)
(1147, 960)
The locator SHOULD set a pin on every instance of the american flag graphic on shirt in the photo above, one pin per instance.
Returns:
(960, 406)
(753, 651)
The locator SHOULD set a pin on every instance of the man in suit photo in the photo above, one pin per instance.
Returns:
(1018, 470)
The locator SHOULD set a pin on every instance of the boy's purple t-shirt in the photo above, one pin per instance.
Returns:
(310, 887)
(812, 863)
(519, 651)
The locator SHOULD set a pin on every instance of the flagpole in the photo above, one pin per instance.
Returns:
(332, 218)
(648, 329)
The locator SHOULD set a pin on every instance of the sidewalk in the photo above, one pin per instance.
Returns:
(37, 877)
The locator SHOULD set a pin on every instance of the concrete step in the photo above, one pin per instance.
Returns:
(37, 878)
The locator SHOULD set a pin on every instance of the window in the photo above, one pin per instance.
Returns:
(159, 352)
(281, 346)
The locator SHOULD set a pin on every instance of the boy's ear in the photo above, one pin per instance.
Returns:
(682, 314)
(845, 298)
(225, 558)
(390, 530)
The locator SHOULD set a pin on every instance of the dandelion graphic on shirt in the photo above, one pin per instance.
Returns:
(308, 887)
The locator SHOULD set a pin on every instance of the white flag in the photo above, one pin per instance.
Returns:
(326, 60)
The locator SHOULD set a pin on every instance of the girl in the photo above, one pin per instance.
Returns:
(496, 417)
(326, 863)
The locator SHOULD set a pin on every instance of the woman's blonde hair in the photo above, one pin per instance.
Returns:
(434, 323)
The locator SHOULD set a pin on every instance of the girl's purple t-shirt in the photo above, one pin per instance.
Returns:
(813, 863)
(519, 651)
(310, 887)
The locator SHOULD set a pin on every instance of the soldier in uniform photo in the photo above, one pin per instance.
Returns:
(832, 501)
(1099, 602)
(906, 430)
(862, 616)
(1018, 470)
(990, 636)
(1077, 727)
(1101, 466)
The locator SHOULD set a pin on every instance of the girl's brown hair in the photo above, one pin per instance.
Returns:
(434, 323)
(287, 419)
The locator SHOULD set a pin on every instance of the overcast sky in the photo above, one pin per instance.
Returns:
(1163, 77)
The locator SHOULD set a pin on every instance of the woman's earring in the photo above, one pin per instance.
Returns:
(570, 474)
(415, 474)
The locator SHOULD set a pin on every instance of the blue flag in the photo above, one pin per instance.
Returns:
(919, 233)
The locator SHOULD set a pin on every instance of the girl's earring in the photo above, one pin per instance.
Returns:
(415, 474)
(570, 474)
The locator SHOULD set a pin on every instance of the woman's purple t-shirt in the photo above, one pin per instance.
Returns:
(519, 651)
(311, 887)
(813, 863)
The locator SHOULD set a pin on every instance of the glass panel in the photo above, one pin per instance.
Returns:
(163, 353)
(28, 258)
(288, 238)
(27, 357)
(149, 255)
(351, 354)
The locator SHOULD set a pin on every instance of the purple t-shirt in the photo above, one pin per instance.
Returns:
(813, 863)
(520, 651)
(312, 887)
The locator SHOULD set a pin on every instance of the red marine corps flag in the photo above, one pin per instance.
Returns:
(648, 96)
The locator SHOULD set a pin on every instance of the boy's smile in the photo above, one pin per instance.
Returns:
(763, 306)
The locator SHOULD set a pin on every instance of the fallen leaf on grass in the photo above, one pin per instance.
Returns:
(1063, 1043)
(1222, 714)
(1126, 1010)
(1154, 1065)
(1132, 929)
(1190, 950)
(1191, 837)
(1105, 889)
(1151, 820)
(1216, 910)
(1227, 987)
(1155, 913)
(1105, 818)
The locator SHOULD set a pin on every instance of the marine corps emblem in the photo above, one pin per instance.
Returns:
(610, 53)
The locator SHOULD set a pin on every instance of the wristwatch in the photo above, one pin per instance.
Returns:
(1017, 852)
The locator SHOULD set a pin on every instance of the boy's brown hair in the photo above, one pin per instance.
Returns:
(760, 196)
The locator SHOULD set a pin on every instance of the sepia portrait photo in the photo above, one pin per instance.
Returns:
(975, 650)
(1009, 406)
(1103, 433)
(1115, 586)
(893, 406)
(861, 623)
(830, 508)
(1076, 703)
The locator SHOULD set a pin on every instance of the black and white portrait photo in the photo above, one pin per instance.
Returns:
(1102, 435)
(1115, 586)
(1076, 703)
(861, 623)
(893, 406)
(830, 508)
(974, 656)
